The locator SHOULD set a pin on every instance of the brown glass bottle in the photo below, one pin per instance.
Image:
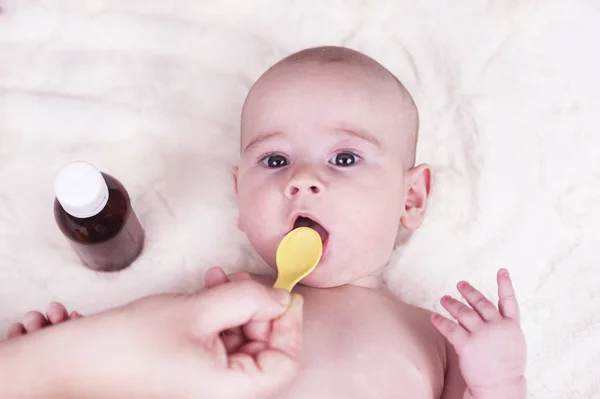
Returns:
(93, 210)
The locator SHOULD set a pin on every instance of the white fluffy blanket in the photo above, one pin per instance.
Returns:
(150, 91)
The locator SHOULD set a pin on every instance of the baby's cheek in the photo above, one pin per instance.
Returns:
(253, 219)
(379, 233)
(260, 220)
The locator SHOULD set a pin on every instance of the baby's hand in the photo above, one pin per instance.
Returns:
(489, 341)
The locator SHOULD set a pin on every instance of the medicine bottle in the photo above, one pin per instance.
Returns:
(93, 211)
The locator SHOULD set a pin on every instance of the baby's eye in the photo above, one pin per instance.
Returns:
(344, 159)
(275, 161)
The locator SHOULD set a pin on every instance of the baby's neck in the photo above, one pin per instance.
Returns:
(371, 281)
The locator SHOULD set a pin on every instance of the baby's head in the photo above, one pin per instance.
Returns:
(328, 139)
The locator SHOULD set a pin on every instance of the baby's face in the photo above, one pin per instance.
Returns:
(322, 146)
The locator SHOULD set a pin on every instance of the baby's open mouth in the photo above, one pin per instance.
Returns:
(307, 222)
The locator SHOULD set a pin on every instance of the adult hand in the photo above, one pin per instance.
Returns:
(164, 346)
(234, 338)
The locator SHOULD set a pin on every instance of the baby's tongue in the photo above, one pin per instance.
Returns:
(305, 222)
(319, 229)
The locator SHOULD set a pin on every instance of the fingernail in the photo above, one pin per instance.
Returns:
(282, 296)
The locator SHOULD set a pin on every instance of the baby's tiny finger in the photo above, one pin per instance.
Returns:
(56, 313)
(454, 333)
(214, 276)
(466, 316)
(75, 315)
(34, 321)
(478, 302)
(507, 302)
(15, 330)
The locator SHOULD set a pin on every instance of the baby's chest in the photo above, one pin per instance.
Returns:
(350, 360)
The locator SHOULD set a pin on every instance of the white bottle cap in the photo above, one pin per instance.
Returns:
(81, 189)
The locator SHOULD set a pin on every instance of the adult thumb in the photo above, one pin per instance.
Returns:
(234, 304)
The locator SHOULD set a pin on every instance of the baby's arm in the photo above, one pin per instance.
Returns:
(490, 349)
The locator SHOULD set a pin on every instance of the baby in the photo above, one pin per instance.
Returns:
(328, 139)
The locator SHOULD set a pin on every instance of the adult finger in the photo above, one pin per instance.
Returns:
(254, 330)
(232, 338)
(276, 363)
(235, 304)
(286, 333)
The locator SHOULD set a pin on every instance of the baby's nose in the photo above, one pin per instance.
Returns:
(303, 185)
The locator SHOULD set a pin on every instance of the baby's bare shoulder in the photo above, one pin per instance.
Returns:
(374, 330)
(414, 324)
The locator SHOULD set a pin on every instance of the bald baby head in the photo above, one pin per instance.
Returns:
(351, 74)
(330, 132)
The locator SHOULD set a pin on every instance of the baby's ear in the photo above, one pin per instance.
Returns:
(417, 184)
(234, 173)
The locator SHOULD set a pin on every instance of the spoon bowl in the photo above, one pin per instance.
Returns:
(298, 254)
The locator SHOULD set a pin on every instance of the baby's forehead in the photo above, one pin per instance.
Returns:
(316, 74)
(324, 89)
(338, 90)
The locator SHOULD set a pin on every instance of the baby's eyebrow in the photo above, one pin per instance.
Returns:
(359, 133)
(261, 138)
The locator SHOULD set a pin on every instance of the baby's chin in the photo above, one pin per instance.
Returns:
(316, 279)
(328, 278)
(330, 274)
(311, 281)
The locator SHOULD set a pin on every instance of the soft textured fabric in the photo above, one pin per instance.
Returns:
(151, 92)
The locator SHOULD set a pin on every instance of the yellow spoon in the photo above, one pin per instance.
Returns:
(297, 255)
